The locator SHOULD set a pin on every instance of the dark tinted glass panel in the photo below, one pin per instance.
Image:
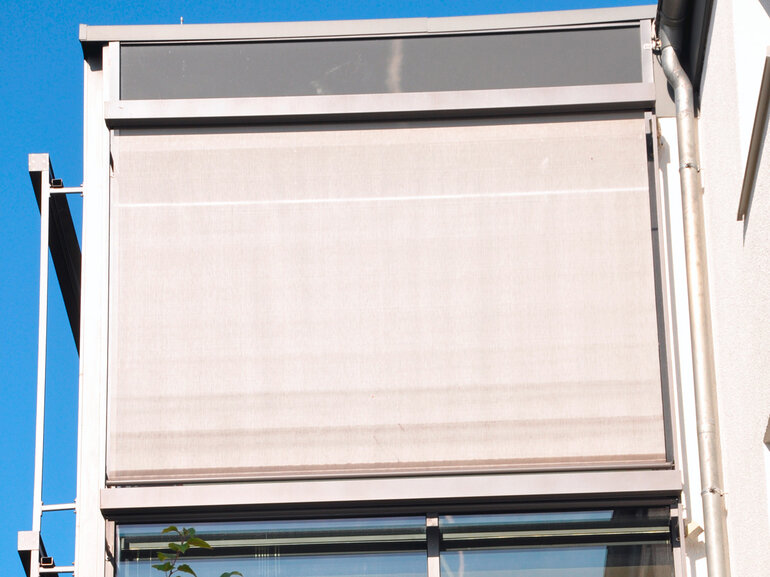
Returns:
(392, 65)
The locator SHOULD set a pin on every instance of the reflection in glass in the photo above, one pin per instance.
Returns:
(604, 55)
(638, 560)
(323, 548)
(610, 543)
(620, 542)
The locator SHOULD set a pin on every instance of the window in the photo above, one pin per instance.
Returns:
(616, 542)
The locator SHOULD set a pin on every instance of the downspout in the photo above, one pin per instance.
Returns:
(672, 15)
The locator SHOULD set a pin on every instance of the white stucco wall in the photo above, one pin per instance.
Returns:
(739, 269)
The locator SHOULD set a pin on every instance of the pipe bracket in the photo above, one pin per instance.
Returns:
(713, 491)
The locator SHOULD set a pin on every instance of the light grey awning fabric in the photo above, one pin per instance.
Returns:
(408, 297)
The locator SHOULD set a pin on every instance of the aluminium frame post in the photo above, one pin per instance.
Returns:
(41, 163)
(90, 554)
(433, 538)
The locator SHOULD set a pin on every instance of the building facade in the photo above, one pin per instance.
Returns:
(410, 297)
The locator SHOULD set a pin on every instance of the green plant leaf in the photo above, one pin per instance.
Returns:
(170, 529)
(167, 566)
(183, 548)
(198, 542)
(186, 569)
(231, 573)
(162, 556)
(176, 547)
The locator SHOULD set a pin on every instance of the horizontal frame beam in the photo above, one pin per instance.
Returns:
(394, 491)
(357, 106)
(60, 507)
(358, 28)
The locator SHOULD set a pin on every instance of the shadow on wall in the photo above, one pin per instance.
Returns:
(696, 550)
(765, 5)
(761, 155)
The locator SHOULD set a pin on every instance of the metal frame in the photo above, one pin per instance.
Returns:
(629, 533)
(91, 532)
(646, 34)
(678, 533)
(433, 549)
(664, 531)
(662, 290)
(58, 232)
(99, 506)
(665, 258)
(550, 99)
(382, 106)
(41, 164)
(657, 249)
(359, 28)
(401, 105)
(301, 495)
(62, 238)
(669, 363)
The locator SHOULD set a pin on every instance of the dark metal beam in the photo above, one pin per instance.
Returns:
(65, 249)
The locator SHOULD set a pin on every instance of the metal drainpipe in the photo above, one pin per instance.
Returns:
(712, 494)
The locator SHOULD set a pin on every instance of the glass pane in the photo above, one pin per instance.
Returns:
(652, 523)
(629, 542)
(316, 548)
(639, 560)
(382, 65)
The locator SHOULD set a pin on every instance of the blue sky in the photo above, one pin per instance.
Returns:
(41, 74)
